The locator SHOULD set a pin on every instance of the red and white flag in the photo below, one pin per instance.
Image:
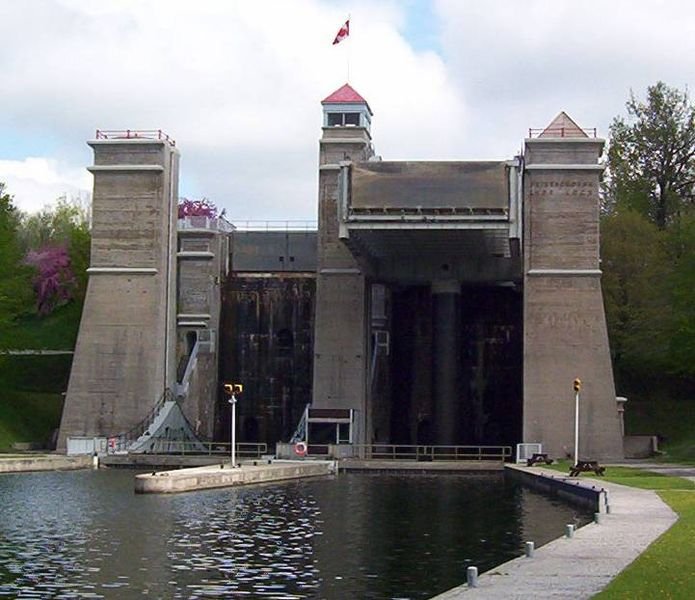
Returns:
(343, 32)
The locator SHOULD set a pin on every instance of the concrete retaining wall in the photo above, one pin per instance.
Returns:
(19, 464)
(573, 491)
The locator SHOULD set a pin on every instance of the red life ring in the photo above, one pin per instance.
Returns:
(300, 448)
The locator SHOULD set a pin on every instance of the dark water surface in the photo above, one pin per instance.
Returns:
(85, 534)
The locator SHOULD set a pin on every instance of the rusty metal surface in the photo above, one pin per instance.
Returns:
(445, 185)
(267, 344)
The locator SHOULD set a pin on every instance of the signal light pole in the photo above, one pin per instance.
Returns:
(577, 389)
(232, 389)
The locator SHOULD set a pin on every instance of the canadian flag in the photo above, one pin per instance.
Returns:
(343, 32)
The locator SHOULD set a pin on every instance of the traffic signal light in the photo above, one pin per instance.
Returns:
(232, 389)
(577, 384)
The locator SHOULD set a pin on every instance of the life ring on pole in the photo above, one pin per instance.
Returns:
(300, 448)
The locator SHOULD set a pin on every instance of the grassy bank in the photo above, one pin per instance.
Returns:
(28, 417)
(31, 400)
(57, 331)
(673, 420)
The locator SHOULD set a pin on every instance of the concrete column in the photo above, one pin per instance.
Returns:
(446, 342)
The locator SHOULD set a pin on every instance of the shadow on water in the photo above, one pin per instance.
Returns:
(86, 534)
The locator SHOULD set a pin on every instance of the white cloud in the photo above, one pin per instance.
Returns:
(238, 84)
(37, 182)
(518, 64)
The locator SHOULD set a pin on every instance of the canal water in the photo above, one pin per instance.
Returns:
(85, 534)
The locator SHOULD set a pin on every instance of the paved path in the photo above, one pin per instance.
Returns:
(583, 565)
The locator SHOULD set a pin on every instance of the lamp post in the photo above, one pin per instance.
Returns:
(232, 389)
(577, 389)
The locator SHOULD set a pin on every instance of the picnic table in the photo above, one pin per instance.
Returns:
(587, 466)
(539, 457)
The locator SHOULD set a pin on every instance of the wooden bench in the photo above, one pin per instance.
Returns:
(587, 466)
(538, 457)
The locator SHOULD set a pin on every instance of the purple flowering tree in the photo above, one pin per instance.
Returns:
(54, 282)
(197, 208)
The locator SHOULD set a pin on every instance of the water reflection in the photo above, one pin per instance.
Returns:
(85, 534)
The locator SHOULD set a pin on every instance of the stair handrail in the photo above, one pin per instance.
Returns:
(299, 434)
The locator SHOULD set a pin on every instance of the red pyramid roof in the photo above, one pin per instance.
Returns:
(345, 95)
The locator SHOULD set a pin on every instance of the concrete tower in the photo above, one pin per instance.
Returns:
(340, 330)
(565, 332)
(124, 357)
(203, 263)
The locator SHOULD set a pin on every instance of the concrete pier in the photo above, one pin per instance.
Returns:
(43, 462)
(581, 566)
(223, 475)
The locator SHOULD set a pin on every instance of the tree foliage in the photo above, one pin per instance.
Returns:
(682, 286)
(635, 271)
(651, 158)
(15, 287)
(648, 238)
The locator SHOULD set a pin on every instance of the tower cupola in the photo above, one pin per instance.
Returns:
(346, 108)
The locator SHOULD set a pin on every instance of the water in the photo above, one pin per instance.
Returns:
(85, 534)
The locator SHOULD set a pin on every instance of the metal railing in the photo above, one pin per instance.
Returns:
(208, 223)
(561, 132)
(415, 452)
(184, 448)
(123, 440)
(134, 134)
(307, 226)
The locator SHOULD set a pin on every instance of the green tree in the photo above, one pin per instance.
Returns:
(651, 157)
(681, 248)
(636, 269)
(15, 276)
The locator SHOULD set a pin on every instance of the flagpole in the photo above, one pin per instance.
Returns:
(349, 45)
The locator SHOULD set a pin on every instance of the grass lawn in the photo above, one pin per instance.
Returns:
(667, 568)
(639, 478)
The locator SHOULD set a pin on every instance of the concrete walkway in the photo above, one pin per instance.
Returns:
(581, 566)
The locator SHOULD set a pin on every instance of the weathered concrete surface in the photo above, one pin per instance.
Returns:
(43, 462)
(340, 345)
(352, 464)
(583, 565)
(201, 478)
(565, 334)
(124, 356)
(202, 259)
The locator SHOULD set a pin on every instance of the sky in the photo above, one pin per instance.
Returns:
(238, 83)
